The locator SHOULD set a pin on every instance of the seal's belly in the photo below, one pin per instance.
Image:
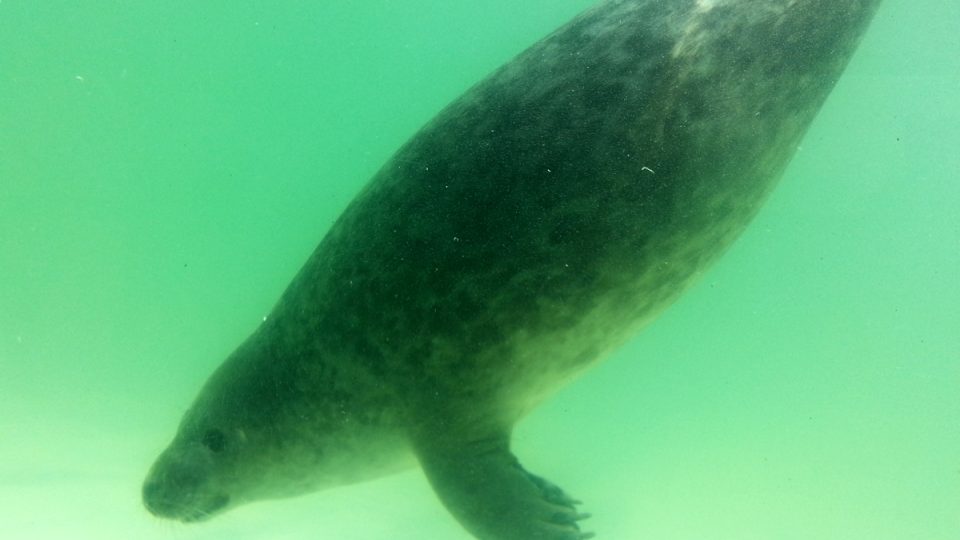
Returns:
(521, 350)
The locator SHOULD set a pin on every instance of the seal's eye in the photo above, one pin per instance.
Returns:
(214, 440)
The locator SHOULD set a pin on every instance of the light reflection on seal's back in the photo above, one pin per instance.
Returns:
(534, 225)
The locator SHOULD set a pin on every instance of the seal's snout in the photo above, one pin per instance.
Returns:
(153, 499)
(163, 495)
(178, 501)
(179, 486)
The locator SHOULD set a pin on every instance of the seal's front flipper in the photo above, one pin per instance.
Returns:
(485, 488)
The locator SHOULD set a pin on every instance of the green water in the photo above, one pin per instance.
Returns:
(165, 168)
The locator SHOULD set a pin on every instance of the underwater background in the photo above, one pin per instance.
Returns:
(166, 167)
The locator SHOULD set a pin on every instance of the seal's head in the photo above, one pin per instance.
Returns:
(237, 444)
(227, 451)
(188, 481)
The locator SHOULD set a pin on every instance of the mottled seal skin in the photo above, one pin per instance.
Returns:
(533, 226)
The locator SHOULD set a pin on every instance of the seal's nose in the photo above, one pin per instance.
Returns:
(153, 498)
(159, 500)
(149, 494)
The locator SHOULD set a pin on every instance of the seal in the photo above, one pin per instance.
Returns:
(538, 222)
